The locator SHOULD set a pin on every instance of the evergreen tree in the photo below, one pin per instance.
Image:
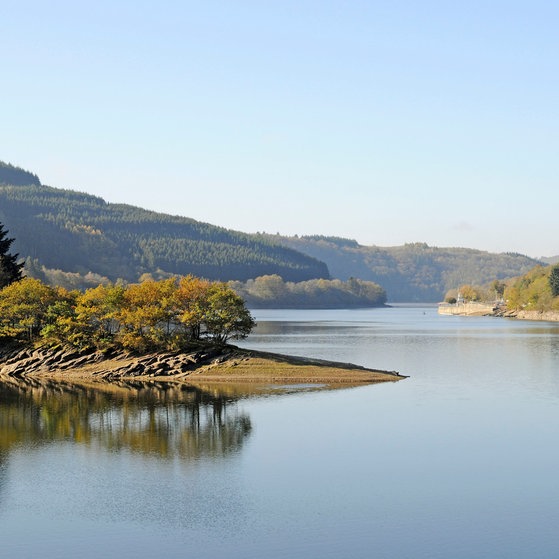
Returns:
(10, 269)
(554, 280)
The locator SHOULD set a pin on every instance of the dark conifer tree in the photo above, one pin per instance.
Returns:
(10, 270)
(554, 280)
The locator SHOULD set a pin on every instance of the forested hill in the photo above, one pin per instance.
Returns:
(412, 272)
(77, 238)
(75, 232)
(16, 176)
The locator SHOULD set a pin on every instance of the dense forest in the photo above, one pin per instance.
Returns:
(77, 240)
(77, 233)
(412, 272)
(16, 176)
(272, 292)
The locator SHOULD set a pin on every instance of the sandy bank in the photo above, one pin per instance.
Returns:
(208, 365)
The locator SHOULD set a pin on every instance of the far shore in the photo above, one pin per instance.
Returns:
(227, 364)
(474, 308)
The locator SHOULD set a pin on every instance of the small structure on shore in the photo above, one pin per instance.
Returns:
(468, 308)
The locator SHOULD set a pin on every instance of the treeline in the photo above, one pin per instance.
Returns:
(169, 314)
(9, 174)
(490, 293)
(79, 233)
(75, 239)
(537, 290)
(414, 271)
(273, 292)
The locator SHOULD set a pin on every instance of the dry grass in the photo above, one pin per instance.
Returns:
(269, 370)
(234, 365)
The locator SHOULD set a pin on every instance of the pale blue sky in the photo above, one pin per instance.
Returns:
(383, 121)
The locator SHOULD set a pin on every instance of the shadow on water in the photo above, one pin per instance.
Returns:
(167, 421)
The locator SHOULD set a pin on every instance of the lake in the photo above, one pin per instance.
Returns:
(457, 461)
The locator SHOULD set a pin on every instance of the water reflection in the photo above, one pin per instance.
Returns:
(162, 420)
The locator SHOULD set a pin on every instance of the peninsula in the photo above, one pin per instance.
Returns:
(175, 329)
(210, 364)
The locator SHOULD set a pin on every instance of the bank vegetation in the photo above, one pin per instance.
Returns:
(536, 291)
(163, 315)
(271, 291)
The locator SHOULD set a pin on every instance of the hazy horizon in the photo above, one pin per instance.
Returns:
(387, 124)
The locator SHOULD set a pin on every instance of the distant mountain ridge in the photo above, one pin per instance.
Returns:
(81, 233)
(84, 235)
(412, 272)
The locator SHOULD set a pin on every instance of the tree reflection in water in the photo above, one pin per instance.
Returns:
(167, 421)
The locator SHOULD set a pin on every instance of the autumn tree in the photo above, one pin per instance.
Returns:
(227, 316)
(269, 287)
(533, 291)
(10, 269)
(191, 298)
(60, 318)
(513, 297)
(147, 314)
(469, 293)
(167, 314)
(96, 315)
(24, 307)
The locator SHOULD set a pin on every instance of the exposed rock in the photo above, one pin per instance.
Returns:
(213, 363)
(481, 309)
(551, 316)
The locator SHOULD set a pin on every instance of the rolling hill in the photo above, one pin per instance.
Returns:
(76, 238)
(412, 272)
(80, 233)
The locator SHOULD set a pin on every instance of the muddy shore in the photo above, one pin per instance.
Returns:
(208, 365)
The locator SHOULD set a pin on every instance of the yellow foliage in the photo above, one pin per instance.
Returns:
(153, 314)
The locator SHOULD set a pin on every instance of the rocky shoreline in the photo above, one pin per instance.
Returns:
(546, 316)
(208, 364)
(490, 309)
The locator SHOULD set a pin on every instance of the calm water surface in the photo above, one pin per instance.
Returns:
(458, 461)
